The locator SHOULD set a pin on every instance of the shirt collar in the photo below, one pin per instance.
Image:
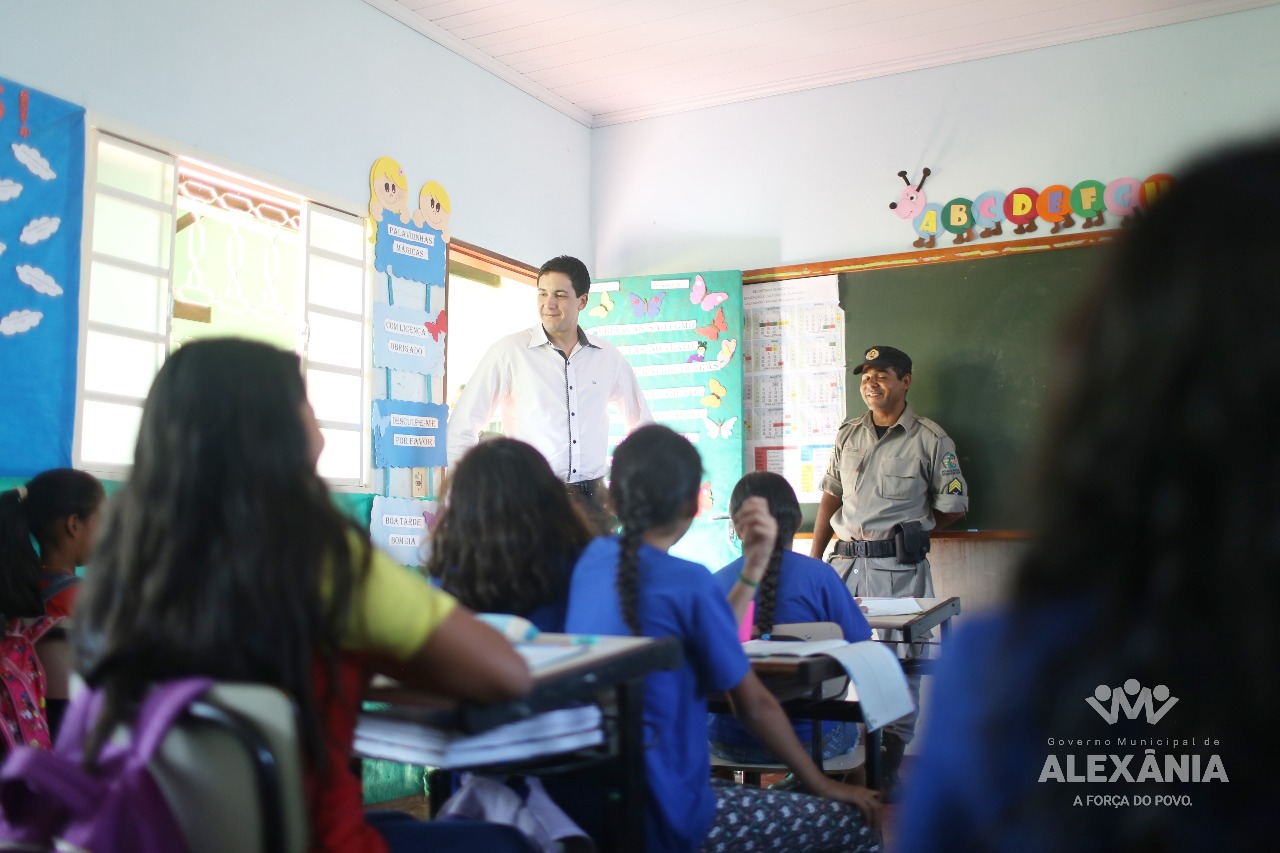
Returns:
(906, 420)
(538, 337)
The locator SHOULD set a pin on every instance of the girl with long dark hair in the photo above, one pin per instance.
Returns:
(47, 528)
(508, 535)
(630, 584)
(1141, 628)
(793, 588)
(224, 556)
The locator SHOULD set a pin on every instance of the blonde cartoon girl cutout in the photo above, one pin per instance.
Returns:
(388, 190)
(433, 209)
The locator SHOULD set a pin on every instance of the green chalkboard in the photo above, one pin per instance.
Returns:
(981, 333)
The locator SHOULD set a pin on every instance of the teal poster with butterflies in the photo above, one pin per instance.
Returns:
(682, 334)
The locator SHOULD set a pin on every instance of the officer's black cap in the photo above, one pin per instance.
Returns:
(881, 357)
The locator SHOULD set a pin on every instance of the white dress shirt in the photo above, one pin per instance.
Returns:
(559, 405)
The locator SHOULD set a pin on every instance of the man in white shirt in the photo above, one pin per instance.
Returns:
(553, 385)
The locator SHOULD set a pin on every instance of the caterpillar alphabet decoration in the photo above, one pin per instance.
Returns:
(1057, 205)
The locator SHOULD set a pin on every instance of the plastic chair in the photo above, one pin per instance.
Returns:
(832, 688)
(231, 770)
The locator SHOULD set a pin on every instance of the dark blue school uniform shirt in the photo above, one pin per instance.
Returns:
(677, 598)
(809, 590)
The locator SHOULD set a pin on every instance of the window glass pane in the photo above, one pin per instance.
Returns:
(133, 171)
(479, 314)
(340, 459)
(235, 275)
(341, 234)
(335, 396)
(126, 298)
(131, 231)
(117, 365)
(336, 285)
(109, 432)
(334, 340)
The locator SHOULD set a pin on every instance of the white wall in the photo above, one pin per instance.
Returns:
(809, 176)
(312, 92)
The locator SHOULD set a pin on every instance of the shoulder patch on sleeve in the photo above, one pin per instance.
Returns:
(949, 463)
(955, 487)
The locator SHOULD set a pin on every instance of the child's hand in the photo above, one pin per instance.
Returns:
(867, 800)
(856, 600)
(758, 530)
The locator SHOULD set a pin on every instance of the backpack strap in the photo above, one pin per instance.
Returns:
(163, 705)
(33, 632)
(57, 582)
(165, 702)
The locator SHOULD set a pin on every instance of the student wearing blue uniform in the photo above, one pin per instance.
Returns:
(794, 588)
(508, 535)
(1141, 626)
(630, 585)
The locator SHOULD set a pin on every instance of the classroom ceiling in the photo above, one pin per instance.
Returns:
(605, 62)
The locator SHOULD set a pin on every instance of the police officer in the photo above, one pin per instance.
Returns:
(893, 476)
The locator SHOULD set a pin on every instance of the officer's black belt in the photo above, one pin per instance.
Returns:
(586, 487)
(866, 548)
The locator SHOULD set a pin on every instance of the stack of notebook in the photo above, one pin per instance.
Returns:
(410, 742)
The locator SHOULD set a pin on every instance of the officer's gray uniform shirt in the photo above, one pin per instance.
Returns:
(908, 475)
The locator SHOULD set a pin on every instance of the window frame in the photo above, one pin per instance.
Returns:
(174, 157)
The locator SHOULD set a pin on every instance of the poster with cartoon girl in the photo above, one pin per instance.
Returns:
(409, 244)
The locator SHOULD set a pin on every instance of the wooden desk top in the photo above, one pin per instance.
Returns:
(934, 611)
(605, 662)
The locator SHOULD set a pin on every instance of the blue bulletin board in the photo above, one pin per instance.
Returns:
(41, 210)
(682, 334)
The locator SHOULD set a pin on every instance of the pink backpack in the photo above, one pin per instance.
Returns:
(22, 694)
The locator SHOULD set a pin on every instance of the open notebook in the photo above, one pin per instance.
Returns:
(874, 670)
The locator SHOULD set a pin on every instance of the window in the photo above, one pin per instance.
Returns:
(490, 296)
(181, 251)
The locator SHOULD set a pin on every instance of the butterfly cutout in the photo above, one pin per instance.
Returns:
(720, 429)
(716, 396)
(706, 500)
(727, 349)
(439, 327)
(700, 355)
(699, 295)
(717, 326)
(606, 305)
(650, 307)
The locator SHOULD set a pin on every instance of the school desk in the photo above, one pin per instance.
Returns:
(935, 613)
(797, 681)
(609, 671)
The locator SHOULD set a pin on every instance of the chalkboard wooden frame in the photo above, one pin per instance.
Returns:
(981, 375)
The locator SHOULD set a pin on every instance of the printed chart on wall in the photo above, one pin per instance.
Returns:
(682, 335)
(794, 378)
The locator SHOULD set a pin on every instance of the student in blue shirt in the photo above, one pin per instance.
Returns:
(630, 585)
(508, 535)
(794, 588)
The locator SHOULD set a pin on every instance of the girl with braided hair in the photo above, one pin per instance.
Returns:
(629, 584)
(793, 588)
